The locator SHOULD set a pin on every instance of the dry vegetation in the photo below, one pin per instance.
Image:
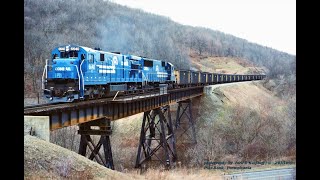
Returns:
(228, 65)
(181, 174)
(237, 122)
(112, 27)
(248, 124)
(44, 160)
(247, 121)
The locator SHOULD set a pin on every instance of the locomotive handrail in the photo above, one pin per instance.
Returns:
(145, 77)
(44, 70)
(81, 76)
(136, 94)
(78, 75)
(42, 79)
(115, 96)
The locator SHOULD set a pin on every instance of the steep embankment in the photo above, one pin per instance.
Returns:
(244, 121)
(241, 121)
(227, 65)
(44, 160)
(249, 94)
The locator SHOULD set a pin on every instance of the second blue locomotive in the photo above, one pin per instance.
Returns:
(78, 72)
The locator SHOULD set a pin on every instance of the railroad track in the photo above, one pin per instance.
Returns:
(34, 109)
(45, 107)
(56, 106)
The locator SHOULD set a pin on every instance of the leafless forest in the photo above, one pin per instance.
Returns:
(231, 131)
(112, 27)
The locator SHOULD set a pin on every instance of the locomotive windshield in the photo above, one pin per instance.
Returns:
(69, 54)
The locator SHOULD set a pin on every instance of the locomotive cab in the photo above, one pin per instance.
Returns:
(62, 74)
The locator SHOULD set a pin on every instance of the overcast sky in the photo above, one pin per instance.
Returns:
(270, 23)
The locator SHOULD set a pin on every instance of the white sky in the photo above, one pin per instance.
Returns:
(270, 23)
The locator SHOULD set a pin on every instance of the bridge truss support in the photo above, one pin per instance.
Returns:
(184, 108)
(157, 133)
(104, 131)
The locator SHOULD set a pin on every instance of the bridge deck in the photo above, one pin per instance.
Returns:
(63, 115)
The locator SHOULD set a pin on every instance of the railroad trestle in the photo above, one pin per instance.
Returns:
(157, 129)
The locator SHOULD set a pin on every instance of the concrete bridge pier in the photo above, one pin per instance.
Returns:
(38, 126)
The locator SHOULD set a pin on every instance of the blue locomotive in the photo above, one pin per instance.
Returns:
(77, 72)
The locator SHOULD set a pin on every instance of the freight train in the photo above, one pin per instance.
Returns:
(77, 73)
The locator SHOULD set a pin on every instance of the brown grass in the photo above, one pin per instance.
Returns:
(180, 174)
(44, 160)
(228, 65)
(251, 95)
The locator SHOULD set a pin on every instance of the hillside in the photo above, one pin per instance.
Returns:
(247, 95)
(44, 160)
(227, 65)
(113, 27)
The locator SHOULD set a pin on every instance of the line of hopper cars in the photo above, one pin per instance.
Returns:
(186, 78)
